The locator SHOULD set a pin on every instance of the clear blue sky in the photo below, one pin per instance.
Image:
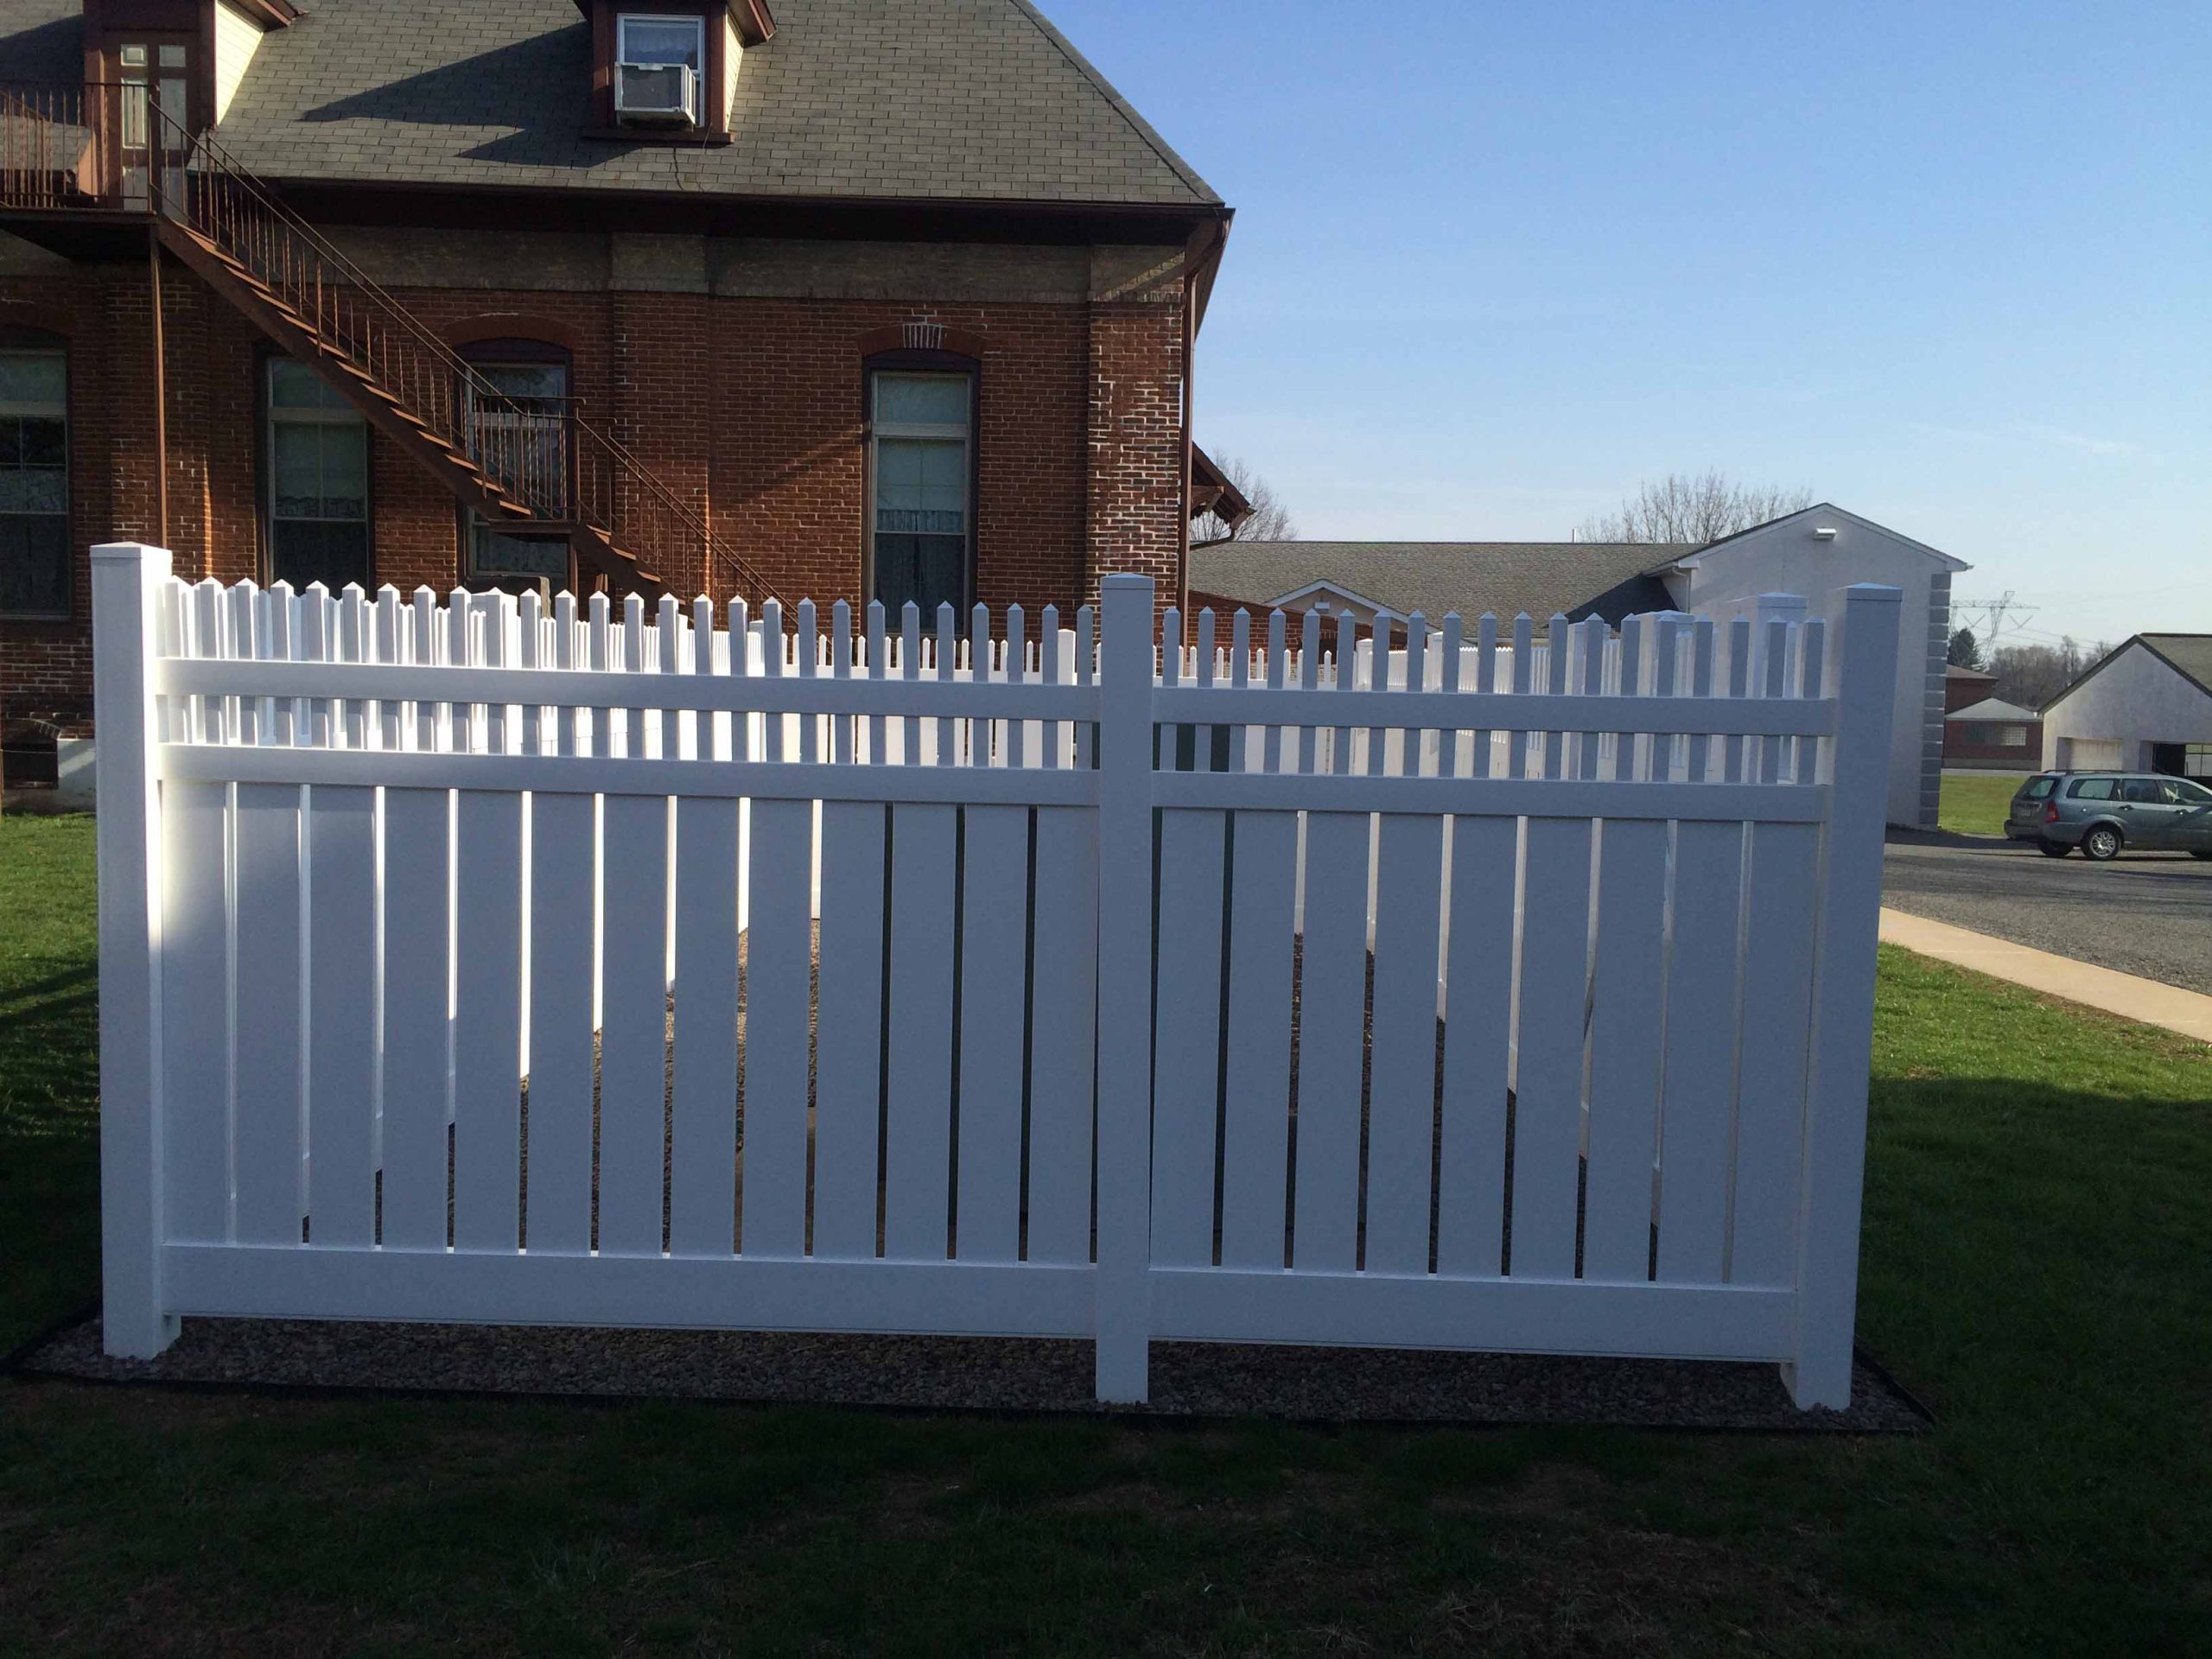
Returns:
(1947, 264)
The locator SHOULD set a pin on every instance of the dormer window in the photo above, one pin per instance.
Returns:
(660, 64)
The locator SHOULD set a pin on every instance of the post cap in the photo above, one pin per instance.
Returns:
(126, 552)
(1873, 593)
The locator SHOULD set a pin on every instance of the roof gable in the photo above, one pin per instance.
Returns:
(966, 100)
(1824, 509)
(1993, 708)
(2189, 655)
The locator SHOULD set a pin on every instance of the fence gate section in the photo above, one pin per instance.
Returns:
(476, 959)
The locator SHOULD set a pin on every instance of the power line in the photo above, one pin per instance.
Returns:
(1996, 616)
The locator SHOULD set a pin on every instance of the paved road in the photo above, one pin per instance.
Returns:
(2148, 913)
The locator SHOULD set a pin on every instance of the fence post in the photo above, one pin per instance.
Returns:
(1122, 1292)
(126, 579)
(1833, 1176)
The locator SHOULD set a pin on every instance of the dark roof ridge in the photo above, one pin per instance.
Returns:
(1126, 110)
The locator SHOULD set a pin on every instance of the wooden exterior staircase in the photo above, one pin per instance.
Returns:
(530, 463)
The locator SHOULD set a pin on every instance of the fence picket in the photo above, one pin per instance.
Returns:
(994, 938)
(195, 1006)
(779, 987)
(342, 1034)
(1627, 995)
(925, 842)
(1256, 1126)
(563, 1006)
(267, 879)
(1187, 1036)
(1699, 1089)
(703, 1127)
(848, 1087)
(1063, 1024)
(1401, 1090)
(487, 1019)
(633, 999)
(1785, 860)
(417, 854)
(1478, 1038)
(1330, 1035)
(1548, 1094)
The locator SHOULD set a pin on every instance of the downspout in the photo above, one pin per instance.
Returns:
(1201, 261)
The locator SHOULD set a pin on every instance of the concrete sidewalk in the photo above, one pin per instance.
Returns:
(2147, 1000)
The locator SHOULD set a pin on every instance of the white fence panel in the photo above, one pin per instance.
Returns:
(1504, 991)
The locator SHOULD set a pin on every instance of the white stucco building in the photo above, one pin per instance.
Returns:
(2146, 706)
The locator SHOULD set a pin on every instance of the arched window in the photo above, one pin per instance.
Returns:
(519, 427)
(921, 505)
(34, 475)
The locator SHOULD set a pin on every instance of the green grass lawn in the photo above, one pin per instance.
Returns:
(2039, 1204)
(1974, 802)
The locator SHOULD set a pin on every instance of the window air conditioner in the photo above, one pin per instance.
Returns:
(657, 94)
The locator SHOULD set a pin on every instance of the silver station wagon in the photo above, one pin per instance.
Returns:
(2106, 813)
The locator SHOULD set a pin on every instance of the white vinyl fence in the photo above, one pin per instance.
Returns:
(466, 960)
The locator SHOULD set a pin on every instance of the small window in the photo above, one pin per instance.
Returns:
(2013, 737)
(2144, 791)
(318, 467)
(2089, 789)
(920, 520)
(2039, 789)
(2190, 794)
(34, 483)
(2197, 759)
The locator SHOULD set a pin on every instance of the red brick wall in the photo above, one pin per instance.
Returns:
(748, 409)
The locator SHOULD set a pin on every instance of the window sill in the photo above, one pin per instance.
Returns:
(662, 136)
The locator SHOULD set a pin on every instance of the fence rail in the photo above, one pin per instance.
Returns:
(474, 958)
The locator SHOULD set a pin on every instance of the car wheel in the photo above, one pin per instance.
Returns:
(2053, 848)
(2102, 843)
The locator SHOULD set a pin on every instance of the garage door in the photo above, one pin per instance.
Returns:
(2089, 754)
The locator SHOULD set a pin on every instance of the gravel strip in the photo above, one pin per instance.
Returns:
(977, 1373)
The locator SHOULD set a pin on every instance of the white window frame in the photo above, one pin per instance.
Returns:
(698, 27)
(696, 23)
(933, 431)
(26, 409)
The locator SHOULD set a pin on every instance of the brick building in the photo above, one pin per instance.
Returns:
(867, 299)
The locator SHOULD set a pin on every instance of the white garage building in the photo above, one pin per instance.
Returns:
(2144, 707)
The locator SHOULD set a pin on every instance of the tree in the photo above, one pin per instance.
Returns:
(1701, 509)
(1966, 650)
(1270, 520)
(2031, 675)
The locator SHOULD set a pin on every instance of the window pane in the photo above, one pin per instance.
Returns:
(924, 569)
(653, 41)
(40, 442)
(301, 552)
(34, 378)
(921, 484)
(922, 399)
(292, 386)
(33, 489)
(494, 553)
(296, 464)
(33, 565)
(345, 472)
(526, 379)
(2090, 789)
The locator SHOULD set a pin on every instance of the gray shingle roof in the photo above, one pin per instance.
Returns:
(2190, 652)
(978, 100)
(42, 39)
(1609, 579)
